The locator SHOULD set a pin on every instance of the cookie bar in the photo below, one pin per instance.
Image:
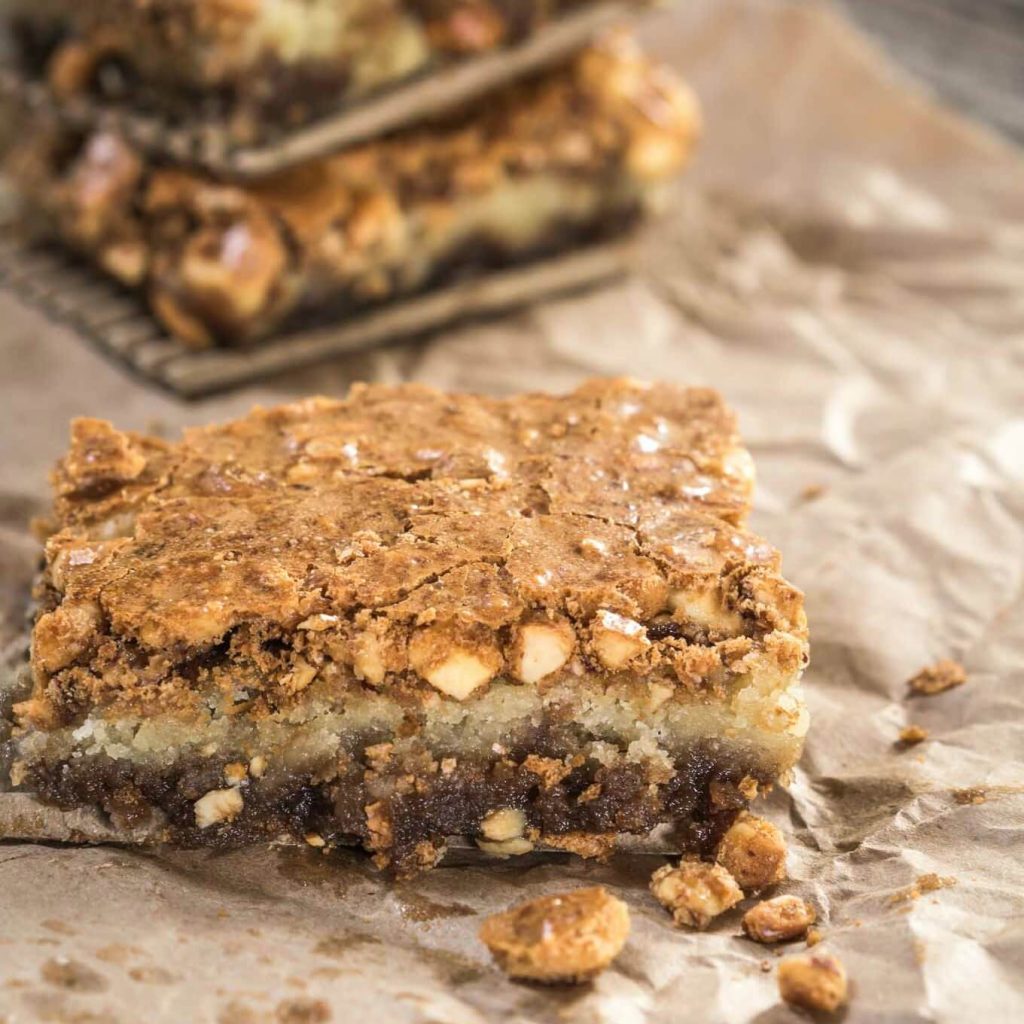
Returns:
(544, 166)
(407, 615)
(278, 62)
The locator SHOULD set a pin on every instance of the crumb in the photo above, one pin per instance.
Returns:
(779, 920)
(812, 492)
(930, 882)
(596, 846)
(766, 966)
(569, 937)
(912, 734)
(971, 795)
(753, 851)
(943, 675)
(814, 936)
(695, 892)
(815, 982)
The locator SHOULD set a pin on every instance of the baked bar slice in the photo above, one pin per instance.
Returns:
(276, 62)
(542, 167)
(407, 615)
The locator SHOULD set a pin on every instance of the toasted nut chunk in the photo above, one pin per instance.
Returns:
(564, 938)
(368, 659)
(754, 852)
(258, 766)
(450, 667)
(943, 675)
(235, 773)
(815, 982)
(218, 805)
(542, 649)
(913, 734)
(505, 848)
(779, 920)
(695, 892)
(618, 640)
(507, 823)
(460, 674)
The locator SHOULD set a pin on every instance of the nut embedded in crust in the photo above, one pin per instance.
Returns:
(218, 805)
(937, 678)
(569, 937)
(779, 920)
(617, 640)
(695, 892)
(542, 648)
(815, 982)
(753, 851)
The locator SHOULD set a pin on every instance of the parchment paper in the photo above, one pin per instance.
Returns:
(846, 263)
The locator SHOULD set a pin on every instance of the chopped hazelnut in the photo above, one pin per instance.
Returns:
(453, 669)
(695, 892)
(218, 805)
(617, 640)
(754, 852)
(943, 675)
(505, 848)
(778, 920)
(542, 648)
(508, 823)
(563, 938)
(814, 982)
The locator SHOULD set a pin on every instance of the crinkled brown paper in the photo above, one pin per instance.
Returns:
(846, 263)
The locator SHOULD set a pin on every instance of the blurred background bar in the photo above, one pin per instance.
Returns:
(971, 52)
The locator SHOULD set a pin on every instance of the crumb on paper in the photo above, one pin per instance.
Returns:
(937, 678)
(753, 851)
(814, 936)
(911, 735)
(970, 795)
(814, 982)
(930, 882)
(565, 938)
(781, 919)
(813, 491)
(695, 892)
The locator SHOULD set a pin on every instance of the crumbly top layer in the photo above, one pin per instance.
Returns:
(408, 536)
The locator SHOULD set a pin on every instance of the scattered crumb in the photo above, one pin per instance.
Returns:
(815, 982)
(753, 851)
(302, 1011)
(570, 937)
(941, 676)
(971, 795)
(913, 734)
(814, 936)
(596, 846)
(779, 920)
(695, 892)
(72, 975)
(930, 882)
(766, 966)
(920, 951)
(813, 491)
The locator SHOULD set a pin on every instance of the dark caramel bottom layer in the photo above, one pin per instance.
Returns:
(401, 816)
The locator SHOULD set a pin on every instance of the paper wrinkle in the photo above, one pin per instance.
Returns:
(846, 263)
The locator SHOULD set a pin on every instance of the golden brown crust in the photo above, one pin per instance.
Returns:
(563, 938)
(399, 538)
(534, 167)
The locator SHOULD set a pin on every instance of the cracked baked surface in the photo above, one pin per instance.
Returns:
(574, 156)
(281, 61)
(406, 614)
